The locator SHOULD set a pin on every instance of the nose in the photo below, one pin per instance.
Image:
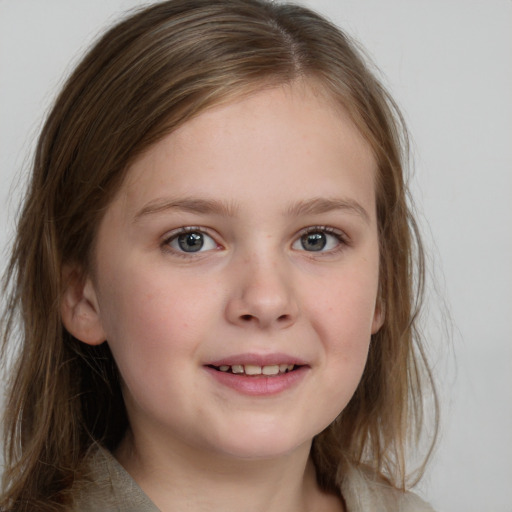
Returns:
(262, 296)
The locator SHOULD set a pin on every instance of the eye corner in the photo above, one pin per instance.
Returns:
(190, 241)
(321, 240)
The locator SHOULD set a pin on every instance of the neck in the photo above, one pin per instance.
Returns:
(185, 479)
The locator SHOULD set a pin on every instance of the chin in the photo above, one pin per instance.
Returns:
(259, 444)
(261, 451)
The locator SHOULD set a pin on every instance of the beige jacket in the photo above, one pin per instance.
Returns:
(111, 489)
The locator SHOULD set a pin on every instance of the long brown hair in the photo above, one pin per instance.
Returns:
(145, 77)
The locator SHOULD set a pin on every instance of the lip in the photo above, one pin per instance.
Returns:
(259, 385)
(258, 360)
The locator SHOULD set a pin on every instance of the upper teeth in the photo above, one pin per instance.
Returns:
(253, 369)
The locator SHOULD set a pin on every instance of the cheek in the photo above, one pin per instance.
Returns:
(346, 304)
(156, 316)
(153, 335)
(154, 298)
(343, 314)
(152, 320)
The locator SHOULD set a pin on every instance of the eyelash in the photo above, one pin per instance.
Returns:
(341, 238)
(183, 231)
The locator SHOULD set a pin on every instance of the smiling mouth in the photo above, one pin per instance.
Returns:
(253, 370)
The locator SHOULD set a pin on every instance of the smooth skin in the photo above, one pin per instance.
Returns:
(249, 232)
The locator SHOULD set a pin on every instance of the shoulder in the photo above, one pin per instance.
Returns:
(106, 486)
(364, 491)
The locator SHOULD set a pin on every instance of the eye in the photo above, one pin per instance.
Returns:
(319, 239)
(191, 240)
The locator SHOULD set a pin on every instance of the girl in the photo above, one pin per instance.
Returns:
(214, 276)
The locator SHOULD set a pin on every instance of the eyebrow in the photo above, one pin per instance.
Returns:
(313, 206)
(192, 205)
(322, 205)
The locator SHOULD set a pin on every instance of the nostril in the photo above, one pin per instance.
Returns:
(246, 318)
(283, 318)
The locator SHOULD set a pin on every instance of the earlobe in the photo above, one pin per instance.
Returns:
(79, 309)
(378, 316)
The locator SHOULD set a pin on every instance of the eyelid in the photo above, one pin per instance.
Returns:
(341, 236)
(175, 233)
(325, 229)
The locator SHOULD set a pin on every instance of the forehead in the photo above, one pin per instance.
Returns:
(279, 139)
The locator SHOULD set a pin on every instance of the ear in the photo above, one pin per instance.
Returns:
(378, 316)
(79, 308)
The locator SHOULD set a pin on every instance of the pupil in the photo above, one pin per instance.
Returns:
(314, 241)
(191, 242)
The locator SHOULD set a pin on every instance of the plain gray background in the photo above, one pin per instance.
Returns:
(449, 66)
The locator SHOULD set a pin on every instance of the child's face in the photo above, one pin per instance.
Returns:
(246, 237)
